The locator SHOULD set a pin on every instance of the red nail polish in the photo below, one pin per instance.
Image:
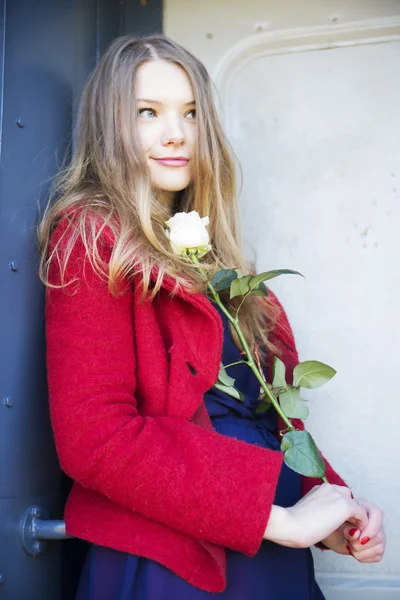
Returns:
(352, 531)
(364, 541)
(348, 548)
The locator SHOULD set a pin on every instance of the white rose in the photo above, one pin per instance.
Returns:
(188, 234)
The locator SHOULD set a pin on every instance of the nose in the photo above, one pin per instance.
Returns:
(173, 132)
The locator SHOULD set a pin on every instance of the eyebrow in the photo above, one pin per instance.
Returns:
(150, 101)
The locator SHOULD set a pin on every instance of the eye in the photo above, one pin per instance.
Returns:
(192, 112)
(148, 110)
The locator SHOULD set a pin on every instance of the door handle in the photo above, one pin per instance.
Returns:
(35, 528)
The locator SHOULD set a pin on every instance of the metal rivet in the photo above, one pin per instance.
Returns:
(8, 401)
(2, 578)
(261, 26)
(18, 122)
(14, 265)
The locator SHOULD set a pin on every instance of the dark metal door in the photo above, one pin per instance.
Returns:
(47, 49)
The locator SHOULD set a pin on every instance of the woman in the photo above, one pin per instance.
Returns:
(180, 488)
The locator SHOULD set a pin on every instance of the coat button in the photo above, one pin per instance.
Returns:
(191, 368)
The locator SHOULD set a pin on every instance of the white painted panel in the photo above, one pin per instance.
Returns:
(210, 28)
(318, 136)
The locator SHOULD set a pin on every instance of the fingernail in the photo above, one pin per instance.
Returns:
(364, 541)
(348, 548)
(352, 531)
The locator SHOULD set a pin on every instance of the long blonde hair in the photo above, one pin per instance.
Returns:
(107, 181)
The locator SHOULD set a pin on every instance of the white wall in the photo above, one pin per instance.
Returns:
(310, 98)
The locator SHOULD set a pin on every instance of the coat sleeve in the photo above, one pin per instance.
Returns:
(282, 336)
(195, 480)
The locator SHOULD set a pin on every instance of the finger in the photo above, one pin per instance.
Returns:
(370, 560)
(350, 532)
(378, 540)
(375, 518)
(359, 516)
(370, 555)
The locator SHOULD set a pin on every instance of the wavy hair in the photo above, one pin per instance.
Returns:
(106, 183)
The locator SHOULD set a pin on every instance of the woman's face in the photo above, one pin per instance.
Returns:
(166, 123)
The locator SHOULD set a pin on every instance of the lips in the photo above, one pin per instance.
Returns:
(179, 161)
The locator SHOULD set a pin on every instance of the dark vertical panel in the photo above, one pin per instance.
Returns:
(110, 22)
(36, 125)
(143, 18)
(85, 46)
(47, 50)
(97, 23)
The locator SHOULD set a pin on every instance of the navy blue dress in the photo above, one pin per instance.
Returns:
(274, 573)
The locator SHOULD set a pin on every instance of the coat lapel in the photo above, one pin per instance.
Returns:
(197, 330)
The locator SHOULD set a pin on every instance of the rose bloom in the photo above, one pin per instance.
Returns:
(188, 233)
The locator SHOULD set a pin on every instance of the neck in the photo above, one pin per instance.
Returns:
(165, 198)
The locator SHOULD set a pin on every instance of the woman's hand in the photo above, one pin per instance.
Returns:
(348, 539)
(315, 517)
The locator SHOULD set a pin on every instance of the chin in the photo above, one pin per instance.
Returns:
(168, 186)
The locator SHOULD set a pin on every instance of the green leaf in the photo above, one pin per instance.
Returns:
(260, 290)
(235, 288)
(289, 401)
(301, 454)
(231, 391)
(240, 287)
(226, 384)
(311, 374)
(256, 279)
(223, 278)
(279, 371)
(224, 378)
(263, 406)
(263, 287)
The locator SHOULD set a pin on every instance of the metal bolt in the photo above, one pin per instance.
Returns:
(18, 122)
(37, 547)
(36, 513)
(8, 401)
(14, 266)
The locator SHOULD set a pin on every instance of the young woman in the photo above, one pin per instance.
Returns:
(180, 488)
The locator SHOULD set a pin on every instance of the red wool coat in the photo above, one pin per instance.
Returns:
(126, 384)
